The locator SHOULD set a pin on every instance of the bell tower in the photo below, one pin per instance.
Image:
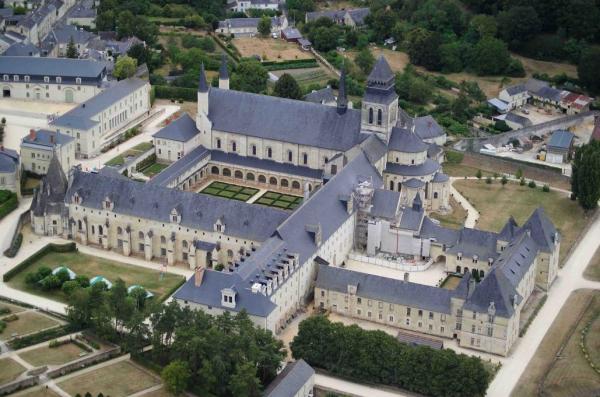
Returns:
(379, 112)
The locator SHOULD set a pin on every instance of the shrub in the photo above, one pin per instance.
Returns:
(531, 184)
(51, 282)
(2, 326)
(39, 337)
(11, 318)
(522, 181)
(83, 281)
(504, 180)
(479, 174)
(32, 278)
(4, 310)
(63, 276)
(70, 286)
(12, 251)
(488, 180)
(546, 188)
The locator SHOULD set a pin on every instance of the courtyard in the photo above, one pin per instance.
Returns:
(252, 195)
(279, 200)
(53, 355)
(91, 266)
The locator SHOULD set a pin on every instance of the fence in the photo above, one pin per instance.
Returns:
(325, 62)
(19, 385)
(84, 362)
(402, 265)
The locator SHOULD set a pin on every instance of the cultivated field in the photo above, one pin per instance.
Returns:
(269, 49)
(496, 203)
(116, 380)
(27, 323)
(46, 355)
(309, 76)
(9, 370)
(558, 368)
(91, 266)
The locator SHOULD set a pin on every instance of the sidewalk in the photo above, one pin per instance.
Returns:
(472, 213)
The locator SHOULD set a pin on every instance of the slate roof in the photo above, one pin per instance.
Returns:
(358, 15)
(45, 137)
(291, 33)
(202, 84)
(291, 380)
(385, 203)
(561, 140)
(321, 96)
(261, 116)
(402, 140)
(495, 287)
(411, 218)
(374, 148)
(427, 168)
(517, 258)
(80, 117)
(9, 160)
(182, 129)
(509, 230)
(474, 242)
(22, 50)
(434, 150)
(389, 290)
(516, 89)
(439, 234)
(49, 196)
(199, 211)
(413, 183)
(42, 66)
(515, 118)
(265, 164)
(177, 168)
(427, 128)
(549, 93)
(498, 104)
(381, 72)
(440, 177)
(542, 230)
(63, 35)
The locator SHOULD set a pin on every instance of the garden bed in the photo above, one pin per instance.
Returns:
(227, 190)
(279, 200)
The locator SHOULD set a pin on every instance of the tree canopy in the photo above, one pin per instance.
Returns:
(585, 179)
(72, 49)
(124, 67)
(250, 76)
(264, 26)
(287, 87)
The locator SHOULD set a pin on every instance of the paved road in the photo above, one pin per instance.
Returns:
(570, 278)
(472, 213)
(353, 389)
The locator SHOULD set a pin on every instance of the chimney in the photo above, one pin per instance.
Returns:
(32, 134)
(198, 276)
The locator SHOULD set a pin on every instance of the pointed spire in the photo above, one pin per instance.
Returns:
(381, 72)
(202, 84)
(417, 203)
(223, 73)
(342, 100)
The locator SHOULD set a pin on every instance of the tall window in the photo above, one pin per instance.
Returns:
(379, 117)
(290, 155)
(370, 115)
(233, 146)
(305, 158)
(218, 143)
(254, 150)
(269, 152)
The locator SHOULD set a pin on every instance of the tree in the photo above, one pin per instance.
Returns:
(424, 48)
(287, 87)
(264, 26)
(489, 56)
(244, 382)
(460, 107)
(483, 25)
(250, 76)
(588, 67)
(519, 24)
(176, 376)
(124, 67)
(585, 179)
(479, 174)
(365, 60)
(72, 49)
(325, 38)
(504, 180)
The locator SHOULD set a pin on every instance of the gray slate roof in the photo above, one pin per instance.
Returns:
(542, 230)
(63, 67)
(198, 211)
(49, 196)
(517, 258)
(385, 203)
(427, 168)
(474, 242)
(283, 119)
(264, 164)
(411, 218)
(549, 93)
(9, 160)
(516, 118)
(561, 139)
(321, 96)
(495, 287)
(390, 290)
(80, 117)
(22, 50)
(427, 128)
(45, 137)
(440, 177)
(402, 140)
(413, 183)
(179, 167)
(439, 234)
(516, 89)
(381, 72)
(291, 380)
(182, 129)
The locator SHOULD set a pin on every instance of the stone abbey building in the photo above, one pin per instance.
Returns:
(368, 178)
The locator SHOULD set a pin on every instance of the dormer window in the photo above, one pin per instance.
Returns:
(26, 78)
(46, 79)
(59, 80)
(77, 198)
(459, 256)
(78, 80)
(5, 77)
(16, 77)
(175, 216)
(219, 226)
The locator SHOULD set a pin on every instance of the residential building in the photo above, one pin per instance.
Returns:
(297, 379)
(244, 5)
(82, 14)
(10, 169)
(51, 79)
(248, 27)
(323, 96)
(57, 41)
(177, 139)
(351, 17)
(21, 50)
(38, 148)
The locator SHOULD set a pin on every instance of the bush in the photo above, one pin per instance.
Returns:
(546, 188)
(168, 92)
(531, 184)
(70, 286)
(9, 204)
(51, 282)
(2, 326)
(488, 180)
(83, 281)
(479, 174)
(522, 181)
(39, 337)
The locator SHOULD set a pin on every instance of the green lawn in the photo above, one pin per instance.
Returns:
(154, 169)
(228, 190)
(279, 200)
(91, 266)
(130, 153)
(117, 380)
(496, 203)
(52, 355)
(9, 370)
(28, 323)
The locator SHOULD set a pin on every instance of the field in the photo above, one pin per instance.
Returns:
(116, 380)
(269, 49)
(131, 153)
(278, 200)
(496, 203)
(11, 307)
(592, 272)
(227, 190)
(46, 355)
(27, 323)
(558, 367)
(453, 220)
(9, 370)
(91, 266)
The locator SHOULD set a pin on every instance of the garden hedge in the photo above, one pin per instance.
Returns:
(176, 93)
(9, 205)
(39, 337)
(68, 247)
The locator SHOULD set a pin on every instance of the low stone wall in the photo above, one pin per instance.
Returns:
(19, 385)
(84, 362)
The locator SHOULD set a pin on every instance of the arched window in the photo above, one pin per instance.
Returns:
(269, 152)
(163, 240)
(254, 150)
(457, 269)
(273, 181)
(290, 155)
(239, 175)
(305, 158)
(295, 185)
(399, 186)
(233, 146)
(284, 183)
(141, 235)
(119, 230)
(391, 185)
(214, 170)
(379, 117)
(370, 115)
(426, 190)
(184, 244)
(481, 274)
(250, 176)
(229, 253)
(100, 229)
(262, 179)
(218, 143)
(93, 230)
(226, 172)
(79, 225)
(435, 195)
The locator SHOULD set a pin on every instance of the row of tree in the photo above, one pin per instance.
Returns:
(376, 357)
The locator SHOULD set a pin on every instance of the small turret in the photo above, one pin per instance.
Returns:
(417, 203)
(202, 93)
(223, 73)
(342, 100)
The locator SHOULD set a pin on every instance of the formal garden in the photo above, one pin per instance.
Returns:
(280, 200)
(230, 191)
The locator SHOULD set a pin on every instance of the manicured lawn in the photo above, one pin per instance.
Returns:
(52, 355)
(496, 203)
(28, 323)
(592, 272)
(451, 282)
(133, 152)
(117, 380)
(570, 374)
(455, 219)
(154, 169)
(279, 200)
(228, 190)
(9, 370)
(91, 266)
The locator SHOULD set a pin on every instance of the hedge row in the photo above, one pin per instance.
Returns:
(68, 247)
(290, 62)
(148, 161)
(294, 66)
(228, 48)
(176, 93)
(39, 337)
(9, 205)
(15, 244)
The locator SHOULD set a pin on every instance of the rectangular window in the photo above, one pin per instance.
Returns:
(490, 331)
(359, 300)
(420, 313)
(408, 311)
(431, 315)
(473, 328)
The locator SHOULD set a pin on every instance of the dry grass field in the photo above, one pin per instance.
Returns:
(570, 374)
(9, 370)
(496, 203)
(37, 392)
(52, 356)
(27, 323)
(269, 49)
(455, 219)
